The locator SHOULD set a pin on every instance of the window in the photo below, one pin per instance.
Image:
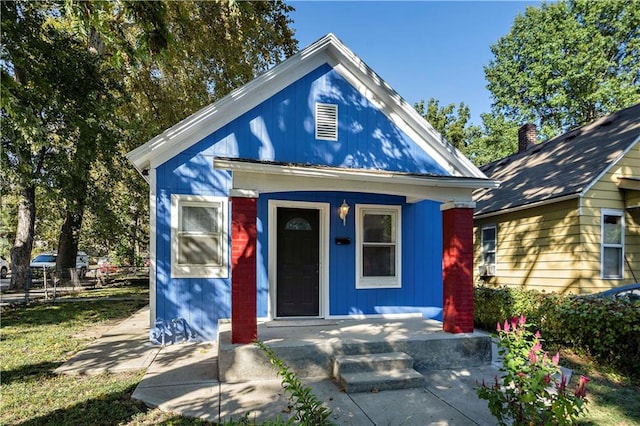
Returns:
(199, 236)
(612, 251)
(327, 122)
(378, 254)
(488, 266)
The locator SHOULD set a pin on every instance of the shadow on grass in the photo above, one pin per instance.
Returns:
(52, 313)
(107, 410)
(29, 372)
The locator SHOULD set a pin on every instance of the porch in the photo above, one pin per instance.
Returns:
(308, 346)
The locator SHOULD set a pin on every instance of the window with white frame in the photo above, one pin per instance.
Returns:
(612, 250)
(378, 249)
(199, 236)
(488, 266)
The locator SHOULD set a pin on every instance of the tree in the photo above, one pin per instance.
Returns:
(564, 64)
(453, 124)
(41, 112)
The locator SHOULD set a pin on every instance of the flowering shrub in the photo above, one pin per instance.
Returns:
(532, 390)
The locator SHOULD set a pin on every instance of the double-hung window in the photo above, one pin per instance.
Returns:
(488, 266)
(199, 236)
(378, 254)
(612, 249)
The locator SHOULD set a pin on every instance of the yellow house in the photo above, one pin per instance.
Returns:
(566, 217)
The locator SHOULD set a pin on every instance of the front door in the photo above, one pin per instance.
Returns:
(298, 259)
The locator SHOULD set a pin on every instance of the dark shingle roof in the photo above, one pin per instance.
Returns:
(562, 166)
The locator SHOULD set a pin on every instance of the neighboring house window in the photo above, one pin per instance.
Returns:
(612, 244)
(327, 122)
(199, 236)
(378, 254)
(488, 267)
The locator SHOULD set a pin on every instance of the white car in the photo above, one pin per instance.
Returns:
(47, 261)
(4, 267)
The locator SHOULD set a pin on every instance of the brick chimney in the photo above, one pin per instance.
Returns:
(527, 135)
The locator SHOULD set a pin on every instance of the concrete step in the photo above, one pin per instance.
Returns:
(375, 381)
(371, 362)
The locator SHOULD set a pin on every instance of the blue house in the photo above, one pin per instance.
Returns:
(314, 191)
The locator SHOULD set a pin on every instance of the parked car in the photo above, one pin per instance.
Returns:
(631, 291)
(4, 267)
(106, 266)
(47, 261)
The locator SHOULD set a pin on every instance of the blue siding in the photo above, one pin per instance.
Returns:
(282, 129)
(421, 289)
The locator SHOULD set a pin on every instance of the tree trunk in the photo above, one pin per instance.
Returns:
(70, 235)
(21, 250)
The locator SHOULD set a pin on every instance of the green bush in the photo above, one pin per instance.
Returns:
(606, 329)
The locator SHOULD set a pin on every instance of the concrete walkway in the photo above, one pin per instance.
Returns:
(183, 379)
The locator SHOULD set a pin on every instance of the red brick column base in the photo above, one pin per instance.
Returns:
(244, 325)
(457, 267)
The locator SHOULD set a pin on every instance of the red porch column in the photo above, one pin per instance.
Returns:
(244, 325)
(457, 266)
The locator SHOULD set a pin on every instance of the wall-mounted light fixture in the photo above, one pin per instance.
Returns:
(344, 211)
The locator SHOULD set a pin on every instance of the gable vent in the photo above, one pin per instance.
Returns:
(327, 122)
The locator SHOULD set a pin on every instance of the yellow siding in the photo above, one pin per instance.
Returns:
(536, 248)
(606, 195)
(556, 247)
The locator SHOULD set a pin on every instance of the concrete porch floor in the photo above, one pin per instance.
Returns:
(308, 345)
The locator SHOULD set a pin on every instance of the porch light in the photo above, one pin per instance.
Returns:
(344, 211)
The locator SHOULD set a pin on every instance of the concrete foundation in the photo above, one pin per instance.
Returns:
(309, 349)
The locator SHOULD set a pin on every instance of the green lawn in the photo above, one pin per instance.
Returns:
(36, 339)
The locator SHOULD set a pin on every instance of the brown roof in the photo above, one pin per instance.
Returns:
(560, 167)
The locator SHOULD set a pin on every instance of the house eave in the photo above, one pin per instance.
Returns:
(527, 206)
(250, 176)
(328, 49)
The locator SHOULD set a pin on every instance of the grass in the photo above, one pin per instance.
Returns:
(36, 339)
(614, 399)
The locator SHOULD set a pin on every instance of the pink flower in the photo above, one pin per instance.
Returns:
(537, 346)
(581, 390)
(506, 326)
(514, 323)
(498, 326)
(537, 335)
(556, 358)
(523, 319)
(533, 358)
(563, 383)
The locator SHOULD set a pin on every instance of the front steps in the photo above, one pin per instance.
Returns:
(376, 372)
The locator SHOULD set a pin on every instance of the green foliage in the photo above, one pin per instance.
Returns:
(566, 63)
(531, 389)
(606, 329)
(307, 409)
(450, 122)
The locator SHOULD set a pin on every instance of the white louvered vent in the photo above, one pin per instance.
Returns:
(327, 122)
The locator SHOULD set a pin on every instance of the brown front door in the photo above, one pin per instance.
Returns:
(298, 258)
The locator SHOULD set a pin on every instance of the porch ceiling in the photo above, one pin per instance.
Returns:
(254, 177)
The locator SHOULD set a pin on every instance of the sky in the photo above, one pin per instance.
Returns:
(422, 49)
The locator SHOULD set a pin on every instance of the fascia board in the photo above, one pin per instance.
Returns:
(380, 94)
(528, 206)
(207, 120)
(251, 176)
(606, 170)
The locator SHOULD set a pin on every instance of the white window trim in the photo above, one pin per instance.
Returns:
(495, 252)
(619, 213)
(378, 282)
(199, 271)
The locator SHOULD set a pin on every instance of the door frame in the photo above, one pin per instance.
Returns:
(323, 250)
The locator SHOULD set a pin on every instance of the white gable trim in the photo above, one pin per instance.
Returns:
(606, 170)
(326, 50)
